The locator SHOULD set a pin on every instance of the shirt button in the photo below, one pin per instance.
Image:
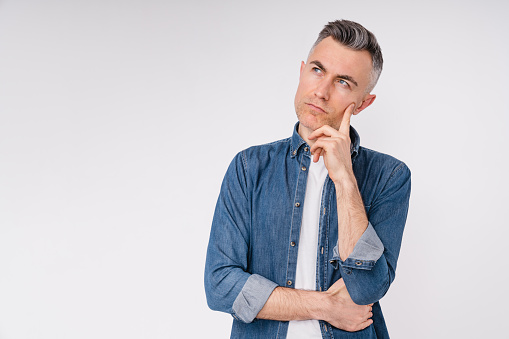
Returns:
(306, 149)
(297, 204)
(289, 283)
(292, 243)
(294, 152)
(358, 263)
(303, 168)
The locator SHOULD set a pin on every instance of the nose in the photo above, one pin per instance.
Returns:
(322, 90)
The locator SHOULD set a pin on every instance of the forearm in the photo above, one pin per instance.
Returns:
(352, 219)
(365, 283)
(370, 268)
(333, 306)
(285, 304)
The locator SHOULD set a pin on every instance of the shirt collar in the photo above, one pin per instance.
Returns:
(297, 142)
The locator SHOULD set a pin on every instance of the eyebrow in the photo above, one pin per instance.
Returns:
(342, 76)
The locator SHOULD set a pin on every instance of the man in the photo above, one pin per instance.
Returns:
(307, 230)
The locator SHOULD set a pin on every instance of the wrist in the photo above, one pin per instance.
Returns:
(346, 182)
(321, 309)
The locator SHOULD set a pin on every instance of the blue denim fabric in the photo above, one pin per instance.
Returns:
(255, 232)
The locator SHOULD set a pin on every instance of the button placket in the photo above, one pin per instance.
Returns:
(297, 217)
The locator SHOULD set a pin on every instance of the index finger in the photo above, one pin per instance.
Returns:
(325, 130)
(345, 123)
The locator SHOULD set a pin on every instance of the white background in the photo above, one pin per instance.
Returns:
(119, 118)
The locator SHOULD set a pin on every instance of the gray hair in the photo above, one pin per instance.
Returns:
(353, 35)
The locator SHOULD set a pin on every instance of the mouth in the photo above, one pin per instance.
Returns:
(316, 108)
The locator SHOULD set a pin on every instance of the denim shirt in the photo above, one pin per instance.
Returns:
(254, 238)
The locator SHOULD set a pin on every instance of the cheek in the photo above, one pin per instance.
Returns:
(299, 95)
(305, 85)
(297, 99)
(341, 101)
(299, 89)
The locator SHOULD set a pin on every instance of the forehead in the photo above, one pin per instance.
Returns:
(339, 59)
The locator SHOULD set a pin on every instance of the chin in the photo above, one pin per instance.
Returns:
(310, 122)
(311, 127)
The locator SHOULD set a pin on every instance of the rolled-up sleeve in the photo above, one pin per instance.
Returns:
(368, 249)
(371, 267)
(229, 286)
(252, 297)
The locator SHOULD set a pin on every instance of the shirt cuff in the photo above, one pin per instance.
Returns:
(252, 298)
(367, 251)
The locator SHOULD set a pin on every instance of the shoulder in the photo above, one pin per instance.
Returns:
(270, 146)
(265, 153)
(381, 176)
(254, 160)
(384, 165)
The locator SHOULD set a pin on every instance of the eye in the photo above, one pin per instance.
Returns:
(343, 83)
(317, 70)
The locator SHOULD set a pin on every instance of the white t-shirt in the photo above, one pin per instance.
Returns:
(305, 278)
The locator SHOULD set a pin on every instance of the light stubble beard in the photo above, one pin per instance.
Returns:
(301, 109)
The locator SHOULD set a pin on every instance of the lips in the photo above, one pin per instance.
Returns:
(316, 108)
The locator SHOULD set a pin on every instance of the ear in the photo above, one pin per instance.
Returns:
(302, 65)
(368, 100)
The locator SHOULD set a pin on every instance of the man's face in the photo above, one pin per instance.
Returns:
(333, 78)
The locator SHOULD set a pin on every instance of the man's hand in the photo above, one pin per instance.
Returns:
(343, 313)
(334, 306)
(334, 145)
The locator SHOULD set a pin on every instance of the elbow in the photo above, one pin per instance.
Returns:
(211, 300)
(364, 298)
(369, 293)
(215, 306)
(220, 290)
(215, 301)
(211, 291)
(369, 286)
